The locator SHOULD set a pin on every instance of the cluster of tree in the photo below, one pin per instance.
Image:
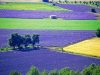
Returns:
(93, 69)
(98, 33)
(18, 41)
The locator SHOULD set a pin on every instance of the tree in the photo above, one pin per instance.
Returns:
(75, 2)
(66, 1)
(35, 39)
(59, 1)
(33, 71)
(27, 40)
(16, 40)
(15, 73)
(11, 44)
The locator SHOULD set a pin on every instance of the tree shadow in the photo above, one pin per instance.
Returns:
(28, 49)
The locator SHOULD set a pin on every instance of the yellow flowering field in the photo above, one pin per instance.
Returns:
(88, 47)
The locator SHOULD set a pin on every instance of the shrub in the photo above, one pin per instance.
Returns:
(64, 71)
(53, 4)
(93, 10)
(44, 73)
(53, 72)
(15, 73)
(89, 70)
(33, 71)
(98, 33)
(67, 71)
(96, 71)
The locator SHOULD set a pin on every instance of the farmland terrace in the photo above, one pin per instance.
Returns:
(78, 7)
(48, 24)
(57, 38)
(46, 59)
(37, 14)
(31, 6)
(34, 19)
(87, 47)
(45, 10)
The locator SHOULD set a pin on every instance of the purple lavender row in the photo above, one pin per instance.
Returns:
(43, 59)
(49, 37)
(78, 8)
(46, 14)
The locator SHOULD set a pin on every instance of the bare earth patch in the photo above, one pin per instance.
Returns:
(89, 47)
(98, 16)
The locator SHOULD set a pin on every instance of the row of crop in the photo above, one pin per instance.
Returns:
(78, 7)
(92, 69)
(17, 40)
(20, 42)
(46, 14)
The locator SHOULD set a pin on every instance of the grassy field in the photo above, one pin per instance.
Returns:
(57, 24)
(30, 6)
(88, 47)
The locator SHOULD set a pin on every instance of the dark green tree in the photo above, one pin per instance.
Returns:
(27, 40)
(11, 44)
(35, 39)
(16, 40)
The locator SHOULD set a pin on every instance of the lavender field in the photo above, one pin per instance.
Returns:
(78, 7)
(36, 14)
(48, 37)
(43, 59)
(79, 24)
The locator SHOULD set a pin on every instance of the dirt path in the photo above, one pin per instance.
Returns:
(98, 16)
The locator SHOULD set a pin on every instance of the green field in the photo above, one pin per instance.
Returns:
(57, 24)
(30, 6)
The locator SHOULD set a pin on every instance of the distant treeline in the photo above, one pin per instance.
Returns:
(92, 69)
(95, 3)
